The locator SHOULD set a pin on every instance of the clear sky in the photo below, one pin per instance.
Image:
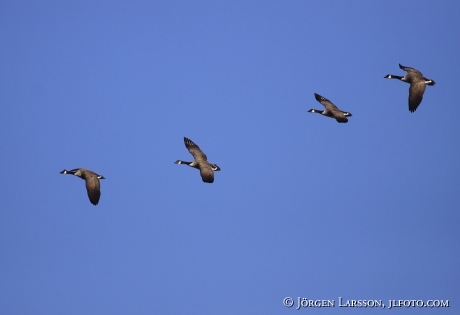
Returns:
(303, 207)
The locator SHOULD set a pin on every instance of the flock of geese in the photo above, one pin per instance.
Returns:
(417, 87)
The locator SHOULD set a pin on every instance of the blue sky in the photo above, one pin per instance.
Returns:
(303, 206)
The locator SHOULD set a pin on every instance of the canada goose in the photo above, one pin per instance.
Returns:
(93, 187)
(331, 110)
(417, 87)
(201, 162)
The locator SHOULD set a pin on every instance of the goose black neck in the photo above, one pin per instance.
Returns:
(391, 76)
(67, 172)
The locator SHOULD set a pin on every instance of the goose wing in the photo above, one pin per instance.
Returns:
(411, 70)
(326, 103)
(416, 91)
(341, 118)
(93, 187)
(206, 172)
(194, 150)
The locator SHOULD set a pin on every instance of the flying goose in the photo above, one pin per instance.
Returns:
(93, 187)
(200, 162)
(331, 110)
(417, 87)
